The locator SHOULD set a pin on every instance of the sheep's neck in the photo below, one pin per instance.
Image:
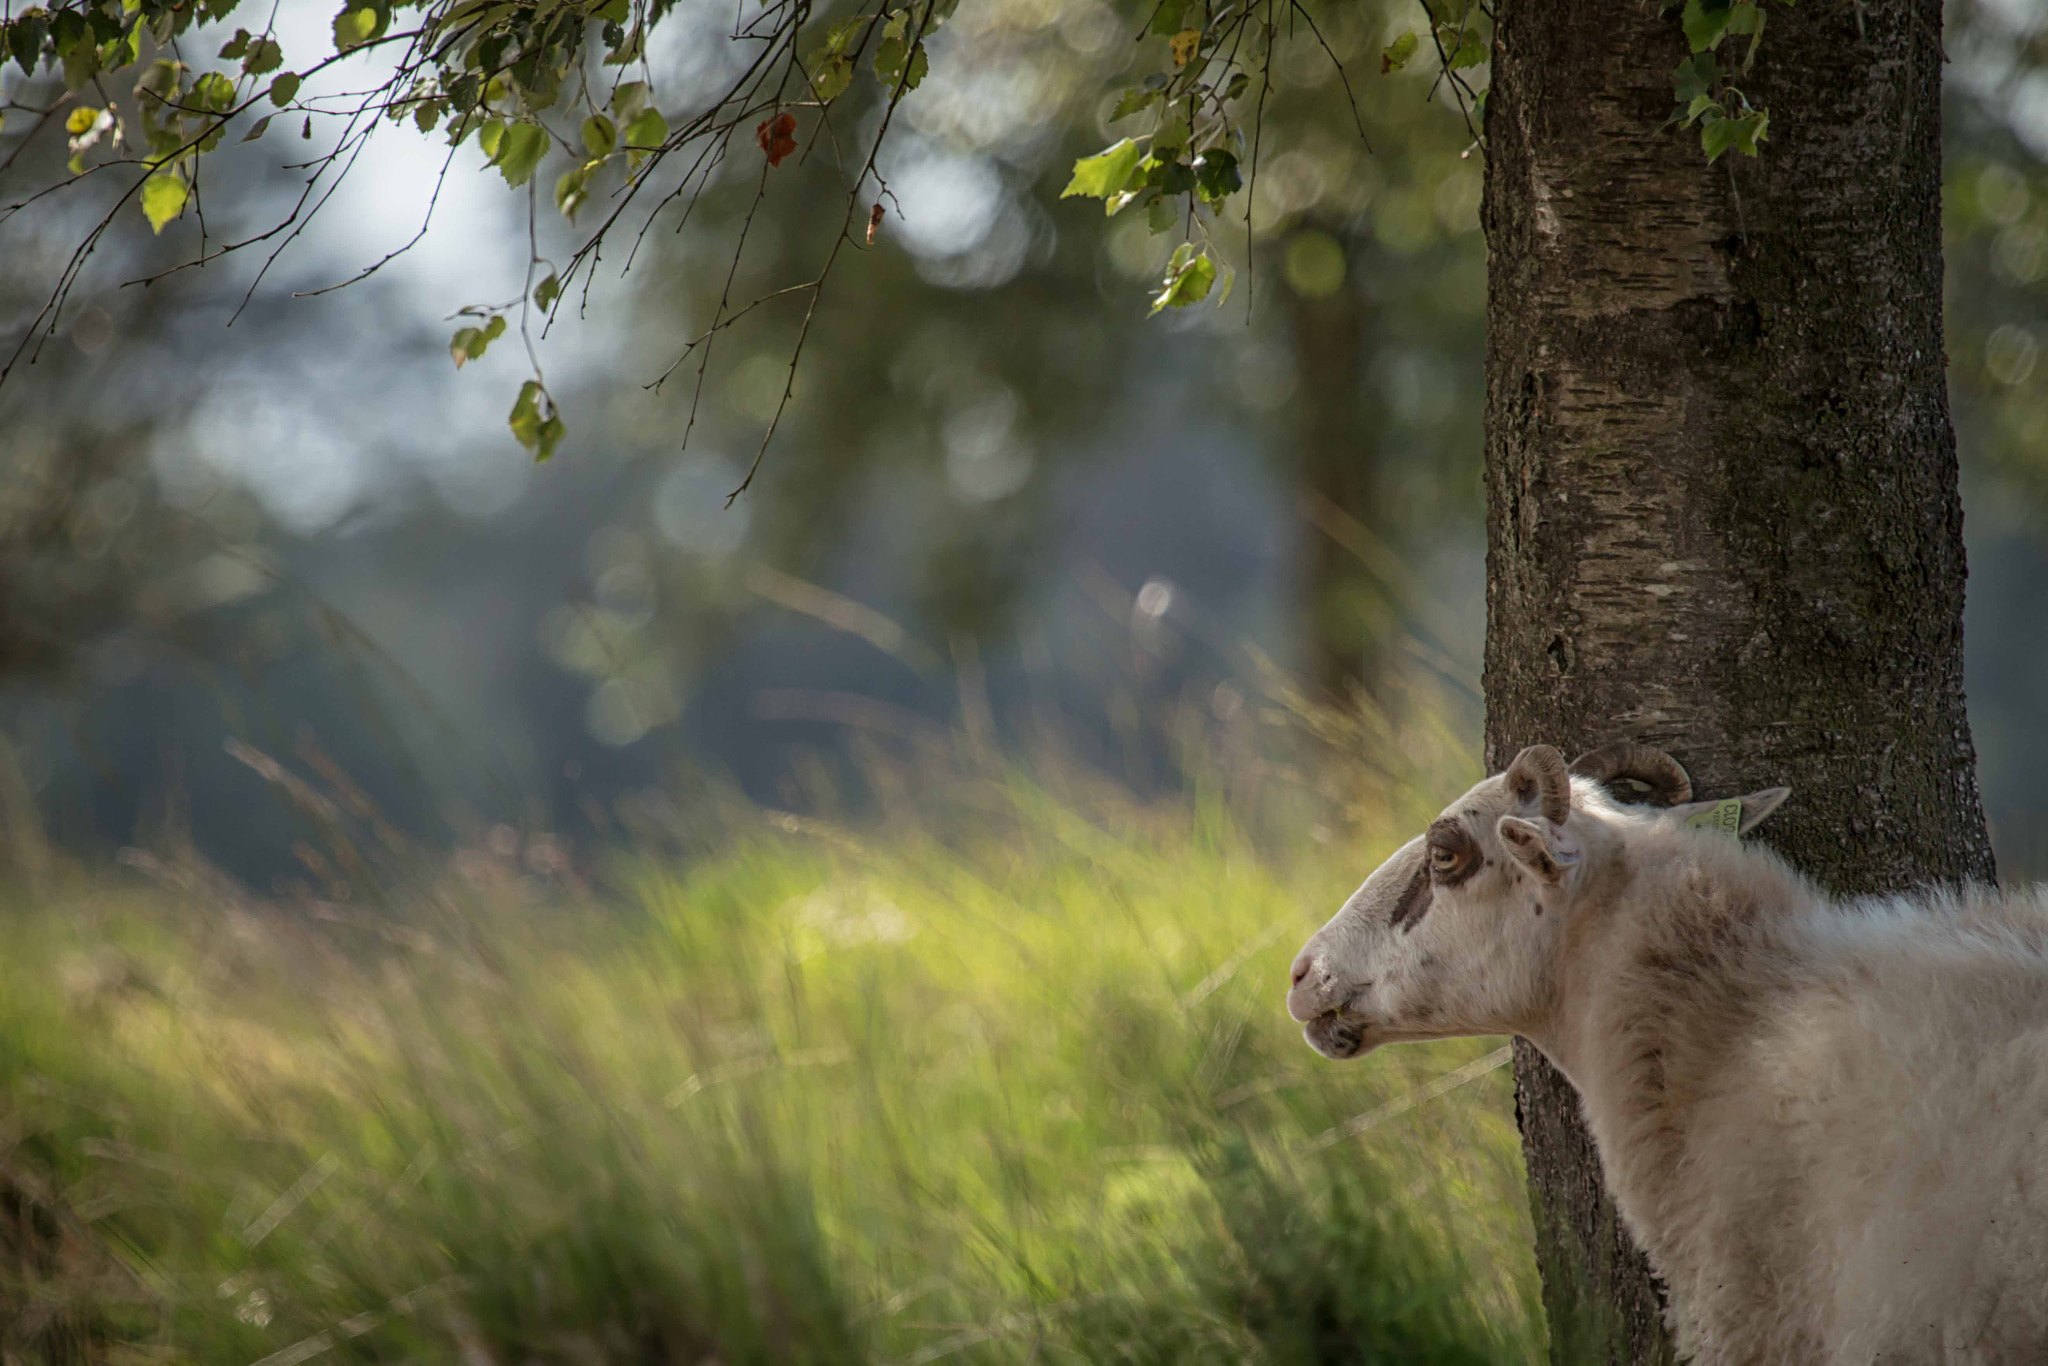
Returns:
(1659, 988)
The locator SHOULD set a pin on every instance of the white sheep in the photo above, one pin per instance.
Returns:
(1825, 1121)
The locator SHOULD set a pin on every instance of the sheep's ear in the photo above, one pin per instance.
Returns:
(1544, 848)
(1733, 816)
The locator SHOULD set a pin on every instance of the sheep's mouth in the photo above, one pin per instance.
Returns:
(1341, 1036)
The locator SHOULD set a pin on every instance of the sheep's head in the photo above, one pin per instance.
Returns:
(1455, 933)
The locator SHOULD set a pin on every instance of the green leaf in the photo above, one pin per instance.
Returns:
(284, 89)
(600, 135)
(1756, 38)
(1743, 134)
(646, 132)
(1216, 175)
(1106, 173)
(1744, 17)
(470, 343)
(1188, 278)
(831, 72)
(572, 188)
(535, 423)
(354, 27)
(163, 198)
(237, 45)
(1166, 19)
(895, 63)
(1133, 100)
(25, 40)
(1396, 54)
(1173, 131)
(628, 100)
(258, 128)
(489, 136)
(121, 51)
(213, 91)
(1172, 177)
(546, 292)
(1471, 50)
(1161, 214)
(67, 31)
(841, 35)
(631, 47)
(81, 64)
(1705, 21)
(160, 80)
(264, 56)
(889, 54)
(1236, 86)
(519, 152)
(1694, 77)
(1229, 279)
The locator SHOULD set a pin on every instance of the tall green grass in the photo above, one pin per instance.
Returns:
(1022, 1092)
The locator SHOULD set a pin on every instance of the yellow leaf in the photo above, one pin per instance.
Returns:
(163, 198)
(81, 120)
(1184, 45)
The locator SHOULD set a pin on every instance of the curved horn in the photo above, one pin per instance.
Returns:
(1639, 763)
(1538, 772)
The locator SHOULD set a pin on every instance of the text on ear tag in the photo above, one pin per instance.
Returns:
(1723, 817)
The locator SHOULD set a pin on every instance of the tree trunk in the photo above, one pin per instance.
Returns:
(1347, 621)
(1722, 513)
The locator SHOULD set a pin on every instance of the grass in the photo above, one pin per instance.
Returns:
(1023, 1092)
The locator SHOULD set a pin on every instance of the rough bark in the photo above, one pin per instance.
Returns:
(1721, 481)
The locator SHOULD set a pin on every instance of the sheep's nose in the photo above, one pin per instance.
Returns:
(1302, 963)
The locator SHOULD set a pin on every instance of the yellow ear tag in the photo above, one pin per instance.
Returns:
(1722, 817)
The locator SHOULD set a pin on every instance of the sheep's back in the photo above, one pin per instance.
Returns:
(1907, 1075)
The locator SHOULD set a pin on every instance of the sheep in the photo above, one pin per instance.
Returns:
(1825, 1121)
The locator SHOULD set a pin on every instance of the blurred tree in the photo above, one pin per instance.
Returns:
(984, 339)
(917, 376)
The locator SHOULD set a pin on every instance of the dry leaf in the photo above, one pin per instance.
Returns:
(777, 137)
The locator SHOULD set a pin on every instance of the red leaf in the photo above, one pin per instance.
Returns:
(777, 137)
(874, 221)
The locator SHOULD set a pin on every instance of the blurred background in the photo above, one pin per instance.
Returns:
(1095, 655)
(308, 525)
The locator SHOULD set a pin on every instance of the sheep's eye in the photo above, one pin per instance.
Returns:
(1442, 859)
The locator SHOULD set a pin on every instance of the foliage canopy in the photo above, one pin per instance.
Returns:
(147, 90)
